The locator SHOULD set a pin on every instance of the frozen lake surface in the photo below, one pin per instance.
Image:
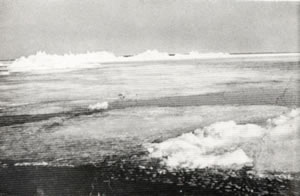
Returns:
(135, 119)
(53, 117)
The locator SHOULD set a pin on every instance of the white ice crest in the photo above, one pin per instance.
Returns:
(99, 106)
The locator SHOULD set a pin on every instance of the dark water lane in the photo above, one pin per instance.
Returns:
(123, 178)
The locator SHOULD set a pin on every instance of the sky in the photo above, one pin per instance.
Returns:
(133, 26)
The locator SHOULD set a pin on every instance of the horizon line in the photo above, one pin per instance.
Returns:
(173, 54)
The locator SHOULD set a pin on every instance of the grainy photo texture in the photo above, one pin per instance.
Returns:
(149, 97)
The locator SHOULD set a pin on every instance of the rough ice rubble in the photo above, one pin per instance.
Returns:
(221, 144)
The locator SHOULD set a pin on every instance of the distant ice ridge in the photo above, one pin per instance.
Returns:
(151, 55)
(228, 144)
(42, 62)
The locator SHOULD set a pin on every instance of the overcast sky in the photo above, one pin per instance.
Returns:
(132, 26)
